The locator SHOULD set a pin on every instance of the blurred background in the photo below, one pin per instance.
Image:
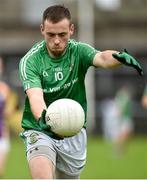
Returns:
(104, 24)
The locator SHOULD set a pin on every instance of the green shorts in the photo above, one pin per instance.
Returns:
(68, 155)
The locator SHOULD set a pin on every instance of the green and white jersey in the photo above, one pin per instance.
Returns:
(59, 78)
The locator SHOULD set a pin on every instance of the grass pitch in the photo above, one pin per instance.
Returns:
(102, 163)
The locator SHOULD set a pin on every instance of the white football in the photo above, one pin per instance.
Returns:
(65, 116)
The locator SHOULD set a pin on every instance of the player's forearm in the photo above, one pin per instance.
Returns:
(37, 107)
(37, 102)
(105, 59)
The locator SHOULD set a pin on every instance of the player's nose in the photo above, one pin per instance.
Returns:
(57, 41)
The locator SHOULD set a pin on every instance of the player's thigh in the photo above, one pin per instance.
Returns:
(40, 153)
(41, 168)
(127, 126)
(37, 144)
(71, 154)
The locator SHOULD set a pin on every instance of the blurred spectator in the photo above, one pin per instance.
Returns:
(123, 101)
(15, 113)
(117, 119)
(4, 131)
(8, 110)
(110, 121)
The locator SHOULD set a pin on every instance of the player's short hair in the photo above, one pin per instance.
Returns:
(56, 13)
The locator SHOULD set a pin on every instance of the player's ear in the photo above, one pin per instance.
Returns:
(42, 28)
(71, 29)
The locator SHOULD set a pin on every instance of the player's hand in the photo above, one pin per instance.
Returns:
(42, 122)
(44, 126)
(128, 60)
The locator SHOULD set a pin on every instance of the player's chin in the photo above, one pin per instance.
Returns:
(57, 52)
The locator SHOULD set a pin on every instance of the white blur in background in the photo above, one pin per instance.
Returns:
(110, 5)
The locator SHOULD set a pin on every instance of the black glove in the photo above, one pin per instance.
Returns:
(128, 60)
(42, 122)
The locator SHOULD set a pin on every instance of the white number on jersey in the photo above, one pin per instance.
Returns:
(58, 76)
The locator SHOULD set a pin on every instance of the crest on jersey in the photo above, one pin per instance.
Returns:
(33, 138)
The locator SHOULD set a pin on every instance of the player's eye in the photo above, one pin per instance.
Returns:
(51, 34)
(62, 34)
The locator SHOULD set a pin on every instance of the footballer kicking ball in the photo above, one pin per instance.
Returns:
(65, 117)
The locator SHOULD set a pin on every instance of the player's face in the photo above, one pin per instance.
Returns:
(56, 36)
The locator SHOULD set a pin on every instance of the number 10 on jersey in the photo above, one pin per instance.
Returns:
(58, 76)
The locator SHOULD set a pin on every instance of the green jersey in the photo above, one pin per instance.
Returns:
(61, 77)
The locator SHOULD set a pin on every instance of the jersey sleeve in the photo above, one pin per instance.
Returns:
(29, 73)
(87, 53)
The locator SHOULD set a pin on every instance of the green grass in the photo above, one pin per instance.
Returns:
(17, 167)
(101, 162)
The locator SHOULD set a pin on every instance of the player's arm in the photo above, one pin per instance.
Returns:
(144, 101)
(105, 59)
(36, 100)
(111, 58)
